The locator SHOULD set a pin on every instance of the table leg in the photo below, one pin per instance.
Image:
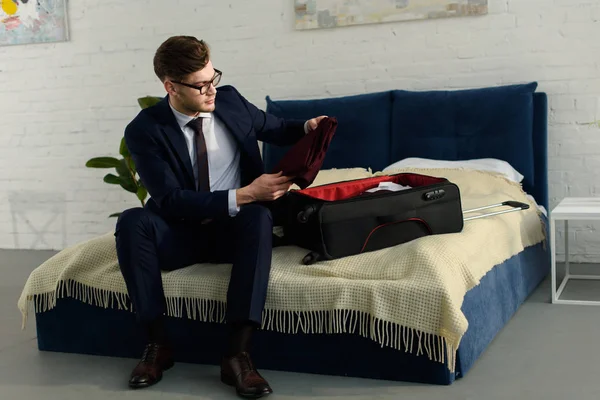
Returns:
(567, 265)
(553, 257)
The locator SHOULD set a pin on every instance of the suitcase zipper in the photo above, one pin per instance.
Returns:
(376, 196)
(305, 214)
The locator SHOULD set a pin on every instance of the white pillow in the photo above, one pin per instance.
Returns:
(482, 164)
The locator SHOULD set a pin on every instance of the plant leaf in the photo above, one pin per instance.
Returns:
(115, 215)
(125, 177)
(148, 101)
(128, 184)
(123, 150)
(112, 179)
(131, 164)
(142, 193)
(122, 168)
(103, 162)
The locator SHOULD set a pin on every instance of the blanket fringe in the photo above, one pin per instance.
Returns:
(435, 347)
(93, 296)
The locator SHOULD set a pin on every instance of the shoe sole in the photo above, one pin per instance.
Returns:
(147, 385)
(231, 382)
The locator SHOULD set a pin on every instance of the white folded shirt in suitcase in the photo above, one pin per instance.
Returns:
(391, 186)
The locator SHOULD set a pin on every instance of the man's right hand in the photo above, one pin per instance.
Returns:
(267, 187)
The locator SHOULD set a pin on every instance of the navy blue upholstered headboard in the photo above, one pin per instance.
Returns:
(377, 129)
(539, 190)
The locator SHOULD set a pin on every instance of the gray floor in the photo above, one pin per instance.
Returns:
(545, 352)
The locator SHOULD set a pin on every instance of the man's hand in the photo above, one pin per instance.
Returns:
(267, 187)
(312, 124)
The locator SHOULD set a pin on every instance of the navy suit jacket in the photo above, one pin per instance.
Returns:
(161, 157)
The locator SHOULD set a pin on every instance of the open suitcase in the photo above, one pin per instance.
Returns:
(352, 217)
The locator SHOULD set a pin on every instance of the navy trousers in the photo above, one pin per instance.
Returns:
(147, 244)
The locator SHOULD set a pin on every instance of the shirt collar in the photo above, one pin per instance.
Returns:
(183, 119)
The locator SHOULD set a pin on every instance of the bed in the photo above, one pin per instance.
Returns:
(375, 130)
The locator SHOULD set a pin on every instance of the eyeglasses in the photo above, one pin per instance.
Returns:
(204, 88)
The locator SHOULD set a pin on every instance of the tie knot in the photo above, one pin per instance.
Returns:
(196, 124)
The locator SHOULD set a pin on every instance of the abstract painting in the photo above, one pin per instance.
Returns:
(32, 21)
(315, 14)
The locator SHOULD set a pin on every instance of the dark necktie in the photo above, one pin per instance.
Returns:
(201, 155)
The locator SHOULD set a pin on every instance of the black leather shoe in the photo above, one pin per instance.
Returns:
(238, 371)
(156, 359)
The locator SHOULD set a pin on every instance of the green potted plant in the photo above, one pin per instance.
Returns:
(126, 173)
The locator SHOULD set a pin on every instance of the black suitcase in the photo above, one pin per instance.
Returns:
(344, 218)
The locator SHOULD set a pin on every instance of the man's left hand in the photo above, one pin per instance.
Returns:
(312, 124)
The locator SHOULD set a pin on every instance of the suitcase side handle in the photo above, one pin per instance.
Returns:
(515, 206)
(305, 214)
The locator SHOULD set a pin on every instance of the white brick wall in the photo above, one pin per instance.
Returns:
(62, 104)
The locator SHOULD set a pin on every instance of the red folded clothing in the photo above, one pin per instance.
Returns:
(305, 159)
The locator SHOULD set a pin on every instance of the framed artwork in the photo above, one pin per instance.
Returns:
(33, 21)
(316, 14)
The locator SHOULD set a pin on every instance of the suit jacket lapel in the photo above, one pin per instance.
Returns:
(174, 135)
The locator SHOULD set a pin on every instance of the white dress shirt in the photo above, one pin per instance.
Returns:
(223, 154)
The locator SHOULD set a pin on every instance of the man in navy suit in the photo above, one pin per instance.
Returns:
(197, 154)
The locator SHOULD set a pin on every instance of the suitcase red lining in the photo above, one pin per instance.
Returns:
(349, 189)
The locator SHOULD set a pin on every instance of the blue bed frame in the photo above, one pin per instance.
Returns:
(80, 328)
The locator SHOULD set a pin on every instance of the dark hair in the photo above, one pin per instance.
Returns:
(180, 56)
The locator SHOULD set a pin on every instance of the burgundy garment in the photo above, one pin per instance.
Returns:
(305, 159)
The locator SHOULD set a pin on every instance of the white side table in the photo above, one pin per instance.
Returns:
(569, 209)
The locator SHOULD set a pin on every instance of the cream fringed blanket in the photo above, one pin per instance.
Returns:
(408, 297)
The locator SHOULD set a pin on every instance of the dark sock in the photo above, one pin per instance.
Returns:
(156, 331)
(239, 339)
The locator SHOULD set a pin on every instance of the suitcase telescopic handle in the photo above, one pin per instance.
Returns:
(515, 206)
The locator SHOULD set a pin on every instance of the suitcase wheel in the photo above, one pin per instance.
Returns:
(311, 258)
(305, 214)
